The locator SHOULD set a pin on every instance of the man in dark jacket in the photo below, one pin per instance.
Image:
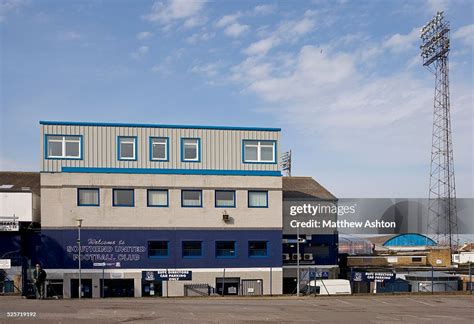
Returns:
(39, 277)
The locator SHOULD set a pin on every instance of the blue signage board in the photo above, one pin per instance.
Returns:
(167, 275)
(318, 274)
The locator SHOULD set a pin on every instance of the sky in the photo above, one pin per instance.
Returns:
(343, 79)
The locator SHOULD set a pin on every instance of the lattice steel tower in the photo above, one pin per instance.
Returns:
(442, 221)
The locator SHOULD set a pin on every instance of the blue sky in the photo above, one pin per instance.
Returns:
(343, 79)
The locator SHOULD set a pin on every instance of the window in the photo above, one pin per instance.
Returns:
(63, 147)
(191, 198)
(158, 249)
(123, 197)
(88, 197)
(192, 249)
(258, 199)
(158, 148)
(225, 198)
(127, 148)
(225, 249)
(157, 198)
(258, 249)
(416, 259)
(259, 151)
(190, 150)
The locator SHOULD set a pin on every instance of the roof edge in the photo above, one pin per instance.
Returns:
(106, 124)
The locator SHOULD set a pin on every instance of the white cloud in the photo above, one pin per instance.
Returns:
(70, 36)
(349, 112)
(262, 46)
(403, 42)
(209, 70)
(7, 6)
(437, 5)
(140, 52)
(197, 37)
(236, 29)
(287, 32)
(231, 25)
(144, 35)
(465, 34)
(170, 11)
(227, 20)
(264, 9)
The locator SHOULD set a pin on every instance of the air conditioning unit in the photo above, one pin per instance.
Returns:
(225, 217)
(308, 256)
(286, 257)
(296, 256)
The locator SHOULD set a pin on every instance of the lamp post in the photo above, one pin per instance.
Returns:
(298, 260)
(79, 225)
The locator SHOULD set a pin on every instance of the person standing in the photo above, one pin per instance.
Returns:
(39, 278)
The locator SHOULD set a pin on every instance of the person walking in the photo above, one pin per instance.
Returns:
(39, 278)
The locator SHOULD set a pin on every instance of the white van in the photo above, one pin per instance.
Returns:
(331, 286)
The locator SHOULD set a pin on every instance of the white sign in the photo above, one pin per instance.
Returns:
(99, 264)
(5, 264)
(9, 226)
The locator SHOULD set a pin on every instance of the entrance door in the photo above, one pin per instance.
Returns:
(118, 287)
(152, 288)
(253, 287)
(231, 286)
(86, 288)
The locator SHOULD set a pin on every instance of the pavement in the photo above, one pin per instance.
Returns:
(335, 309)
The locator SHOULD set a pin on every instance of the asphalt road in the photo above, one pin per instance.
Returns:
(343, 309)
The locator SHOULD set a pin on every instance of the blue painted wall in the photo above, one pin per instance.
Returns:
(57, 249)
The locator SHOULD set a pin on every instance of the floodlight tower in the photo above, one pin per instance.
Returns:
(442, 221)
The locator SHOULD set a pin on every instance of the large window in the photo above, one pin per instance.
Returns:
(88, 197)
(192, 249)
(157, 198)
(191, 198)
(123, 197)
(259, 151)
(225, 198)
(258, 199)
(158, 249)
(158, 148)
(226, 249)
(63, 147)
(258, 249)
(190, 150)
(127, 148)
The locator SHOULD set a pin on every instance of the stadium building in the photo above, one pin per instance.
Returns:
(160, 210)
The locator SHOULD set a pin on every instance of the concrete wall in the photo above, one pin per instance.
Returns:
(59, 201)
(221, 149)
(24, 205)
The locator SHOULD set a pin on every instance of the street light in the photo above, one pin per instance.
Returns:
(79, 225)
(298, 260)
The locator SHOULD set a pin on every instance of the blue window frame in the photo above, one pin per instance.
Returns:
(159, 149)
(63, 147)
(157, 198)
(190, 149)
(259, 151)
(226, 249)
(257, 199)
(123, 197)
(191, 198)
(88, 197)
(192, 249)
(258, 249)
(224, 198)
(127, 148)
(158, 249)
